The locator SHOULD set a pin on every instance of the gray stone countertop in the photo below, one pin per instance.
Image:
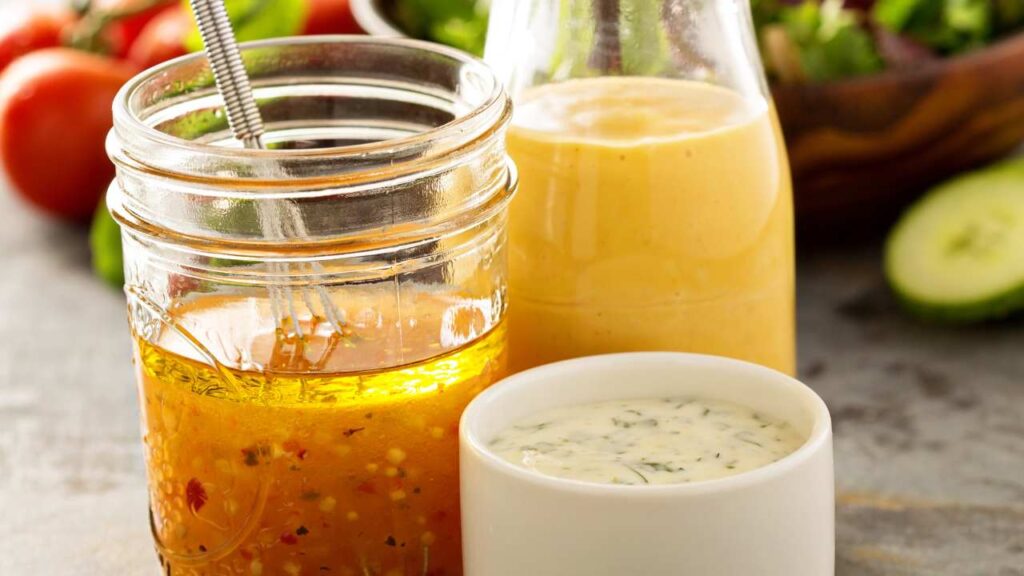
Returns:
(929, 421)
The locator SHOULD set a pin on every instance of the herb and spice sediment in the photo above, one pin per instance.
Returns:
(263, 472)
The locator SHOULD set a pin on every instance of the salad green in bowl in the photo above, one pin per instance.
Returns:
(812, 41)
(830, 39)
(878, 99)
(458, 23)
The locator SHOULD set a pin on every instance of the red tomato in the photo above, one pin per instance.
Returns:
(24, 29)
(329, 17)
(124, 33)
(162, 39)
(55, 112)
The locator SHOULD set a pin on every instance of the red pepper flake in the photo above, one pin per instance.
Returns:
(366, 488)
(252, 455)
(195, 495)
(245, 554)
(249, 457)
(302, 454)
(289, 539)
(351, 431)
(391, 541)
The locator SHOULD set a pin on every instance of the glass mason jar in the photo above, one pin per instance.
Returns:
(655, 204)
(310, 320)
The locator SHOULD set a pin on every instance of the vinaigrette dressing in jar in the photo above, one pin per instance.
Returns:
(301, 394)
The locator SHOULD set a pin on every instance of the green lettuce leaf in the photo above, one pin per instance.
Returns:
(105, 243)
(458, 23)
(257, 20)
(947, 26)
(830, 41)
(467, 34)
(420, 17)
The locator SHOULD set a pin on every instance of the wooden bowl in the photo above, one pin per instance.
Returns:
(862, 148)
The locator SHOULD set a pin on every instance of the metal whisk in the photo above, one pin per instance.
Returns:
(279, 219)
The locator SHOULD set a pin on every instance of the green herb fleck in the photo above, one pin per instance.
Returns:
(637, 472)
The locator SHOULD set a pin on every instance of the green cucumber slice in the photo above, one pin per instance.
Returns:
(958, 253)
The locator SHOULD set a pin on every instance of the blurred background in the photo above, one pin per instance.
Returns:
(881, 102)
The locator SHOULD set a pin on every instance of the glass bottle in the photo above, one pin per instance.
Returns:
(301, 392)
(655, 203)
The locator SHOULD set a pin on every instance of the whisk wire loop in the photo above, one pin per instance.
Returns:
(279, 219)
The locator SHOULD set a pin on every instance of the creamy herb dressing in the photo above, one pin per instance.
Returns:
(647, 441)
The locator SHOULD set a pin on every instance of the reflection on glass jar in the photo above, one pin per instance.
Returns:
(301, 389)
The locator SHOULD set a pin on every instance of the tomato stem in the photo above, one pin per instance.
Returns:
(87, 34)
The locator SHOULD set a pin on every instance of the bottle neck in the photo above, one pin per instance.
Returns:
(533, 42)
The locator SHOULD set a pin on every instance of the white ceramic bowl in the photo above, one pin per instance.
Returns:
(778, 520)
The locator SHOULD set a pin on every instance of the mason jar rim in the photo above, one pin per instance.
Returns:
(129, 127)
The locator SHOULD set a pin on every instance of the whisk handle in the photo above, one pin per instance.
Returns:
(229, 71)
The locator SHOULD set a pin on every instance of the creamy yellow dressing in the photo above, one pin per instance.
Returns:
(652, 214)
(647, 441)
